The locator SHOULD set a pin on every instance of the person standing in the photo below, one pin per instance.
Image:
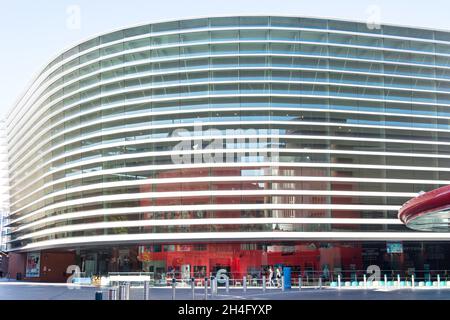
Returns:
(270, 276)
(278, 275)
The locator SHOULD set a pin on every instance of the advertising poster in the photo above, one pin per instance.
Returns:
(33, 264)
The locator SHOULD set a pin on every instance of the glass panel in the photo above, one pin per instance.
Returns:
(313, 23)
(224, 22)
(194, 37)
(89, 44)
(284, 22)
(284, 35)
(166, 26)
(134, 44)
(194, 24)
(442, 36)
(342, 25)
(136, 31)
(313, 36)
(165, 39)
(222, 35)
(254, 21)
(224, 48)
(70, 52)
(111, 37)
(253, 34)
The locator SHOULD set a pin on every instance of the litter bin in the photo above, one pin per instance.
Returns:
(98, 295)
(287, 277)
(19, 276)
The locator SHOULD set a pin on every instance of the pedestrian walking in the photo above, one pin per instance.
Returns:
(270, 276)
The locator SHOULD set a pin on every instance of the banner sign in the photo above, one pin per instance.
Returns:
(33, 264)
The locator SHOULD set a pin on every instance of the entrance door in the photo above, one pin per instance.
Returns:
(90, 267)
(157, 267)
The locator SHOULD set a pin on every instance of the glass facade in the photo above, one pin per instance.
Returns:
(311, 130)
(310, 260)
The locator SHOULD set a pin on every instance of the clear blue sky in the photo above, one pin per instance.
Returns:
(33, 32)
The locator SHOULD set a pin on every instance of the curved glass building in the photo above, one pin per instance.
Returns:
(233, 143)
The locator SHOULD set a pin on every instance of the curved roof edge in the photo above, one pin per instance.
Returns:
(262, 14)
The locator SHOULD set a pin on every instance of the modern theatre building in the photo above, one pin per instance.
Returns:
(235, 143)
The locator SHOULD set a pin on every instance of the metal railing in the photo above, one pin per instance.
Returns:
(309, 278)
(343, 278)
(208, 287)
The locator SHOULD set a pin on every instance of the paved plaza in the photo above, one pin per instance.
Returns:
(39, 291)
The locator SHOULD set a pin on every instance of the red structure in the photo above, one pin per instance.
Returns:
(428, 211)
(199, 260)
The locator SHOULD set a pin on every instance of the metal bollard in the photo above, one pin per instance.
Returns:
(413, 285)
(193, 288)
(320, 283)
(439, 281)
(216, 288)
(398, 281)
(264, 283)
(98, 295)
(127, 291)
(339, 281)
(282, 283)
(227, 284)
(146, 290)
(206, 288)
(213, 285)
(244, 284)
(365, 281)
(112, 294)
(123, 295)
(121, 292)
(385, 281)
(300, 283)
(174, 285)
